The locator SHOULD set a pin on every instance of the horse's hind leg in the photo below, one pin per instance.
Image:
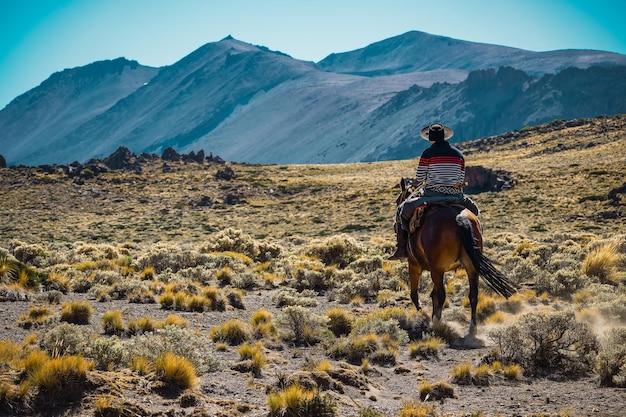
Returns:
(473, 299)
(438, 294)
(415, 272)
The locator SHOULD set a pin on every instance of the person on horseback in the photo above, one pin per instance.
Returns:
(441, 171)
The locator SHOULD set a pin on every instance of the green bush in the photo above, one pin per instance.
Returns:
(611, 360)
(544, 343)
(185, 343)
(303, 327)
(67, 339)
(339, 250)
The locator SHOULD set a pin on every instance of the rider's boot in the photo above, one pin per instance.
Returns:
(401, 247)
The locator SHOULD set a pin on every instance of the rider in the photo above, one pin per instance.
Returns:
(441, 169)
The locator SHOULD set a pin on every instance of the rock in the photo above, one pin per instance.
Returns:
(124, 160)
(481, 179)
(3, 162)
(170, 154)
(225, 174)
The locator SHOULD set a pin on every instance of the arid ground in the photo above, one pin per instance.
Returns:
(276, 276)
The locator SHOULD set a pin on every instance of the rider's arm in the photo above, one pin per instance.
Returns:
(422, 167)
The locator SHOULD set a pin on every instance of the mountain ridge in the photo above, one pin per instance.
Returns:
(247, 103)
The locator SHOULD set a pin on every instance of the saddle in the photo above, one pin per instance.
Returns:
(422, 212)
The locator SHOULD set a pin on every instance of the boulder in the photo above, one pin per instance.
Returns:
(481, 179)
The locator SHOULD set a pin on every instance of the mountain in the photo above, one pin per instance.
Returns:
(419, 51)
(250, 104)
(35, 122)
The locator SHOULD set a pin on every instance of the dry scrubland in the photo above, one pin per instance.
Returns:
(175, 294)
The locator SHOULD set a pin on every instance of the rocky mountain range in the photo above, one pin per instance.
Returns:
(250, 104)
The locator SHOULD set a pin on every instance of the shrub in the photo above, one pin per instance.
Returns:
(233, 332)
(234, 240)
(611, 360)
(426, 348)
(355, 348)
(61, 379)
(173, 320)
(36, 316)
(417, 409)
(107, 353)
(254, 354)
(547, 342)
(112, 322)
(162, 257)
(380, 326)
(298, 401)
(76, 312)
(302, 326)
(262, 322)
(435, 392)
(339, 321)
(291, 297)
(462, 374)
(182, 342)
(215, 299)
(338, 250)
(176, 371)
(563, 283)
(67, 339)
(601, 262)
(482, 374)
(141, 365)
(141, 325)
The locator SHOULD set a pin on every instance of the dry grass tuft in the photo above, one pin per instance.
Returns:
(233, 332)
(176, 371)
(602, 263)
(76, 312)
(113, 323)
(298, 401)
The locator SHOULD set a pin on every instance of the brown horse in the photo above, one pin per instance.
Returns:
(450, 237)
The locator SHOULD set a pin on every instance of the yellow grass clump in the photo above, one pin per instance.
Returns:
(60, 377)
(113, 323)
(602, 263)
(176, 371)
(36, 316)
(262, 322)
(233, 332)
(76, 312)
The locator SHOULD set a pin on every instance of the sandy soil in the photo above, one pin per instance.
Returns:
(228, 392)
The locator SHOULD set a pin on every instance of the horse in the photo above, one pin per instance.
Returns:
(450, 236)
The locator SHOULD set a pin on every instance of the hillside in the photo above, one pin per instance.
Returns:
(250, 104)
(261, 276)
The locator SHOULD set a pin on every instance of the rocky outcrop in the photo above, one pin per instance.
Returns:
(123, 160)
(481, 179)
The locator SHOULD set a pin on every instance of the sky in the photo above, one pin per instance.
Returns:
(40, 37)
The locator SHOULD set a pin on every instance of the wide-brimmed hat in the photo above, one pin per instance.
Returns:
(436, 132)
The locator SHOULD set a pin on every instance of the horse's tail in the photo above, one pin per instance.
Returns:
(495, 279)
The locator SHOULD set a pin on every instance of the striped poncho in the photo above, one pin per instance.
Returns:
(442, 168)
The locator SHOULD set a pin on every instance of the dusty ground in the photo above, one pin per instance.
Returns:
(230, 393)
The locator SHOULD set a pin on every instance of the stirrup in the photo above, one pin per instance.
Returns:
(398, 255)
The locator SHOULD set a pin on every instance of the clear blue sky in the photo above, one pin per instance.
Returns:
(39, 37)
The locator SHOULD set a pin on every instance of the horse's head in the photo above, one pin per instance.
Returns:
(407, 186)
